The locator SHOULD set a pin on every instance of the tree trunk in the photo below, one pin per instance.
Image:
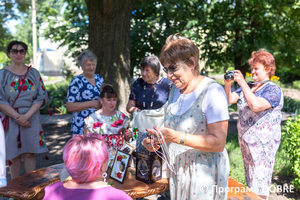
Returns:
(109, 39)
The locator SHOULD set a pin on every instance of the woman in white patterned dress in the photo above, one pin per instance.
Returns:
(195, 125)
(259, 122)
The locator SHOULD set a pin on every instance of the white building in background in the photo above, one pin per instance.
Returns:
(51, 58)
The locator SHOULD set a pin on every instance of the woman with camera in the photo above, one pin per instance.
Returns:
(195, 126)
(259, 122)
(22, 94)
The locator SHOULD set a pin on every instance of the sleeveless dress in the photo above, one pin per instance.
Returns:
(259, 137)
(198, 173)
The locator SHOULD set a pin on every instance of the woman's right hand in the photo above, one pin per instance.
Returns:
(96, 104)
(147, 144)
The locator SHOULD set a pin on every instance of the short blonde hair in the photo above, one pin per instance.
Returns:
(177, 48)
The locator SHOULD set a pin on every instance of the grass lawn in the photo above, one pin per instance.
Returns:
(282, 164)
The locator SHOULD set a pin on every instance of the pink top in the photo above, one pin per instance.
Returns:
(58, 192)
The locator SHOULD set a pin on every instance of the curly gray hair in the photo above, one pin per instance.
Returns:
(86, 55)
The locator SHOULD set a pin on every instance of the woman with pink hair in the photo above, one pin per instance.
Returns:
(86, 159)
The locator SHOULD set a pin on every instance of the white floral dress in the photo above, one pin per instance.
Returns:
(110, 127)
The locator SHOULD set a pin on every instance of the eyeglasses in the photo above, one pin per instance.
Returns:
(16, 51)
(174, 68)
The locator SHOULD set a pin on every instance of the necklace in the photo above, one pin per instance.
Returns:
(88, 78)
(152, 97)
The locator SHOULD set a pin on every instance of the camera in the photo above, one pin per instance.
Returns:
(229, 75)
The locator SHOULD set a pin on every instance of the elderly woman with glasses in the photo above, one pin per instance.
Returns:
(22, 94)
(148, 95)
(84, 91)
(195, 126)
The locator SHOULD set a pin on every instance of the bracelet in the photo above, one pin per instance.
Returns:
(182, 139)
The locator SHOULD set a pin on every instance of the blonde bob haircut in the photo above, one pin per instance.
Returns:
(178, 48)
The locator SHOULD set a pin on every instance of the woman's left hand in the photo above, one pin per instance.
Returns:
(127, 134)
(23, 120)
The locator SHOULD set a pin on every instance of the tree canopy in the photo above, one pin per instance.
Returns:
(225, 31)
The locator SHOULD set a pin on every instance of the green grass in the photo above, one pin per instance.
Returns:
(237, 172)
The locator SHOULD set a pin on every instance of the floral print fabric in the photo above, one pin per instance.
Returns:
(80, 90)
(259, 137)
(110, 127)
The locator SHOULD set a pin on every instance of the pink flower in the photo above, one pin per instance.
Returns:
(119, 122)
(123, 115)
(97, 124)
(114, 125)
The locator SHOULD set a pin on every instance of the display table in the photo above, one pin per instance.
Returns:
(31, 185)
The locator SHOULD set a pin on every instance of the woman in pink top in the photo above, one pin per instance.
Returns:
(86, 159)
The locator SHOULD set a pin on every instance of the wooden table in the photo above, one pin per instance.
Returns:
(31, 185)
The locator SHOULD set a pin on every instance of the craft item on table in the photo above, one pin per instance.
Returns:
(120, 165)
(164, 153)
(148, 164)
(127, 148)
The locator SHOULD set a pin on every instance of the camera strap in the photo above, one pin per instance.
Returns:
(254, 83)
(239, 101)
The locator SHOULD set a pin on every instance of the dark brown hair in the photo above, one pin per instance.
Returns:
(15, 42)
(107, 91)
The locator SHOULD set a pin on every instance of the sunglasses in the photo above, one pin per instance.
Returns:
(174, 68)
(16, 51)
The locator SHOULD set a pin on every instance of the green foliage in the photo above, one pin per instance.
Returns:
(67, 72)
(237, 171)
(153, 21)
(291, 105)
(57, 94)
(233, 29)
(292, 146)
(4, 59)
(296, 85)
(69, 27)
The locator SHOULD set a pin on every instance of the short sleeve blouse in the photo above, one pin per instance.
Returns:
(144, 94)
(80, 90)
(270, 92)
